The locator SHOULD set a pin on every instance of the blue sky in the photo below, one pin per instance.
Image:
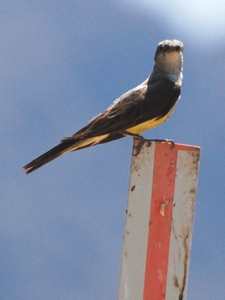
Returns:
(62, 63)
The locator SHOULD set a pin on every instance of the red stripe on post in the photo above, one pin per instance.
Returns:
(160, 221)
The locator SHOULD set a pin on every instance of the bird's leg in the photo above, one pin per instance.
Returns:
(138, 142)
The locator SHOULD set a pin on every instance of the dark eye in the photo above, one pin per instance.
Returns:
(177, 48)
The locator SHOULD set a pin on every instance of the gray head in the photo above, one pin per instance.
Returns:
(169, 46)
(169, 58)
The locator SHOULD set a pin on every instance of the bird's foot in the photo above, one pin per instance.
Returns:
(138, 142)
(168, 141)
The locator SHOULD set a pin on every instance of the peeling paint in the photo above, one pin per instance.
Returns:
(185, 265)
(133, 188)
(175, 281)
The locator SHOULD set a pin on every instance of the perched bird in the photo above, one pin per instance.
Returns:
(144, 107)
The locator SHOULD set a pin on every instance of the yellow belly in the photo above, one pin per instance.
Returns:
(149, 124)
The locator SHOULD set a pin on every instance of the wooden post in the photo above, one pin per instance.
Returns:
(159, 222)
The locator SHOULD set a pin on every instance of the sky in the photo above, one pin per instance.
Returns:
(63, 62)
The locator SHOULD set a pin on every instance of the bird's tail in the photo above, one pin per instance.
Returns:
(48, 156)
(69, 144)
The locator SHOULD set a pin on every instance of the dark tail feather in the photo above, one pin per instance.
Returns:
(67, 145)
(47, 157)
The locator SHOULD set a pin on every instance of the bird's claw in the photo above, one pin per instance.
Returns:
(168, 141)
(138, 143)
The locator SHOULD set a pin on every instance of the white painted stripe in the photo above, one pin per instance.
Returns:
(137, 225)
(181, 233)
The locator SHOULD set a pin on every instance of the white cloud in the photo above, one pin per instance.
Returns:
(203, 20)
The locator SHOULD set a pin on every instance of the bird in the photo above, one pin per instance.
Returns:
(142, 108)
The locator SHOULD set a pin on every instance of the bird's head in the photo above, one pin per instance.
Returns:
(169, 56)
